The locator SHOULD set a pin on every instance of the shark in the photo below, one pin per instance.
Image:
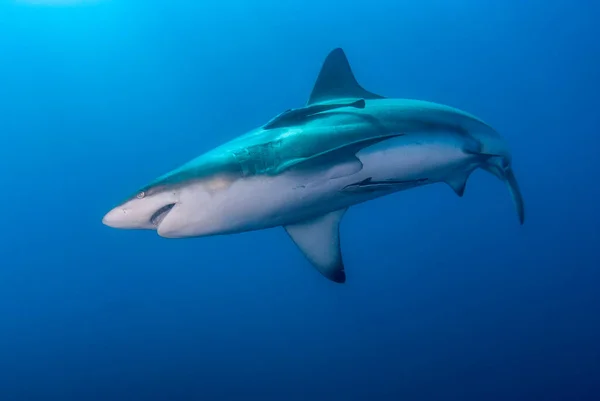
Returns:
(305, 167)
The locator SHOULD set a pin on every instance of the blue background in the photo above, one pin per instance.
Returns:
(446, 298)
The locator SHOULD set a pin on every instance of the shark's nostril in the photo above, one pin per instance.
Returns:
(160, 214)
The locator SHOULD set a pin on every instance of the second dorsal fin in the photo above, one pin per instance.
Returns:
(336, 81)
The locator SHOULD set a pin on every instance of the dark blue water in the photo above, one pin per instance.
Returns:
(446, 298)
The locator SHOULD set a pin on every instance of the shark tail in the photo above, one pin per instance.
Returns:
(497, 164)
(515, 192)
(501, 168)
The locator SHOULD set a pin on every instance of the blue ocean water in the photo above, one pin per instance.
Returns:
(447, 298)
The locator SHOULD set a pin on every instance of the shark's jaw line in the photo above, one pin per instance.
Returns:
(160, 214)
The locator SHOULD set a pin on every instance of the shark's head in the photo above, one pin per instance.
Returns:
(178, 204)
(144, 210)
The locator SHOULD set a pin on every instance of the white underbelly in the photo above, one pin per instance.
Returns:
(413, 158)
(267, 201)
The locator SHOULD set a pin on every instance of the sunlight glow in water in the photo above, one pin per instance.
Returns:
(57, 2)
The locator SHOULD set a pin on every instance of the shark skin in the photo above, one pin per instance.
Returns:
(305, 167)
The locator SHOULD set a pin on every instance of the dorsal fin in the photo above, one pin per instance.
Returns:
(336, 81)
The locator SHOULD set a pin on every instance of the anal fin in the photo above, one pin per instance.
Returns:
(319, 240)
(458, 181)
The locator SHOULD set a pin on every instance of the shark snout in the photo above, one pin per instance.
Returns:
(113, 218)
(135, 219)
(122, 217)
(141, 213)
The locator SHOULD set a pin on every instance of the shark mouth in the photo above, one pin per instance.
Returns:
(160, 214)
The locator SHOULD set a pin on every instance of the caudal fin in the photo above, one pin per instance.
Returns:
(497, 167)
(515, 192)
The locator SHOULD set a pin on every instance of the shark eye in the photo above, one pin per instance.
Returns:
(141, 195)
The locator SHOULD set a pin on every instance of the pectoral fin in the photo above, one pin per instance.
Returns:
(319, 240)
